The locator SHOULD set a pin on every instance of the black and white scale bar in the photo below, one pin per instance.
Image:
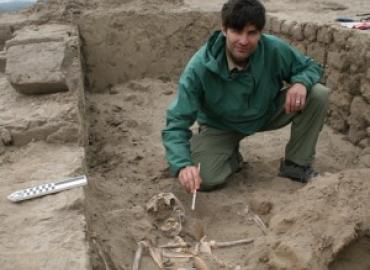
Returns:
(48, 188)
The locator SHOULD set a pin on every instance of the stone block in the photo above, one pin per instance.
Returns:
(276, 25)
(356, 132)
(325, 34)
(341, 100)
(317, 51)
(367, 59)
(268, 23)
(357, 60)
(37, 68)
(301, 46)
(53, 118)
(42, 33)
(359, 42)
(297, 32)
(357, 67)
(286, 27)
(334, 79)
(338, 60)
(365, 89)
(361, 110)
(359, 119)
(38, 56)
(352, 84)
(340, 36)
(310, 31)
(337, 119)
(364, 143)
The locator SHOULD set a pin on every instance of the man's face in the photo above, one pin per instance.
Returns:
(241, 44)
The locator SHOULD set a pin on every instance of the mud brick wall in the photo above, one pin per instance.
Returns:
(43, 60)
(9, 23)
(345, 54)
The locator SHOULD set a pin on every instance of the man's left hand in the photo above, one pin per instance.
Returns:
(295, 98)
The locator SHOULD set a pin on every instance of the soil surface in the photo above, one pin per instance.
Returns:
(299, 10)
(322, 225)
(307, 226)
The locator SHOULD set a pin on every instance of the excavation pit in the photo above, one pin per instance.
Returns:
(131, 84)
(133, 56)
(355, 256)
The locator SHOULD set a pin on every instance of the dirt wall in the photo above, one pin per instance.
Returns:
(124, 45)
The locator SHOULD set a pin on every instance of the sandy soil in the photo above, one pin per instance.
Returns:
(321, 225)
(299, 10)
(307, 225)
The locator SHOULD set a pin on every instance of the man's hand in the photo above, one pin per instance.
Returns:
(189, 178)
(295, 98)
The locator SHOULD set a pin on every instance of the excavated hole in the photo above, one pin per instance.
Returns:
(354, 257)
(126, 160)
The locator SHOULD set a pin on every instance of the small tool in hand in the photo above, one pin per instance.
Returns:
(195, 193)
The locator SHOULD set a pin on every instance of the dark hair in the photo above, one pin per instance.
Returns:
(236, 14)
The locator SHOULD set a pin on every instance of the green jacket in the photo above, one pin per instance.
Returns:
(239, 101)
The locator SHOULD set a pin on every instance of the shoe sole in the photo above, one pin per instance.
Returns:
(296, 179)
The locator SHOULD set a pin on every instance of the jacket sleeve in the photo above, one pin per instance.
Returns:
(298, 68)
(181, 114)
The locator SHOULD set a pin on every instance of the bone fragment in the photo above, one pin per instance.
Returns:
(101, 254)
(200, 264)
(260, 223)
(138, 255)
(175, 245)
(231, 243)
(211, 243)
(156, 254)
(171, 254)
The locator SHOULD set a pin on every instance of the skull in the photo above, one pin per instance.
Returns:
(167, 212)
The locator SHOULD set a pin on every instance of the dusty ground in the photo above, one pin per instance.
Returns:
(307, 226)
(322, 225)
(299, 10)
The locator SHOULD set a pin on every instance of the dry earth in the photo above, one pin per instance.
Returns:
(322, 225)
(307, 225)
(299, 10)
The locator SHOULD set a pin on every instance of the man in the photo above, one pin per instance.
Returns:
(232, 87)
